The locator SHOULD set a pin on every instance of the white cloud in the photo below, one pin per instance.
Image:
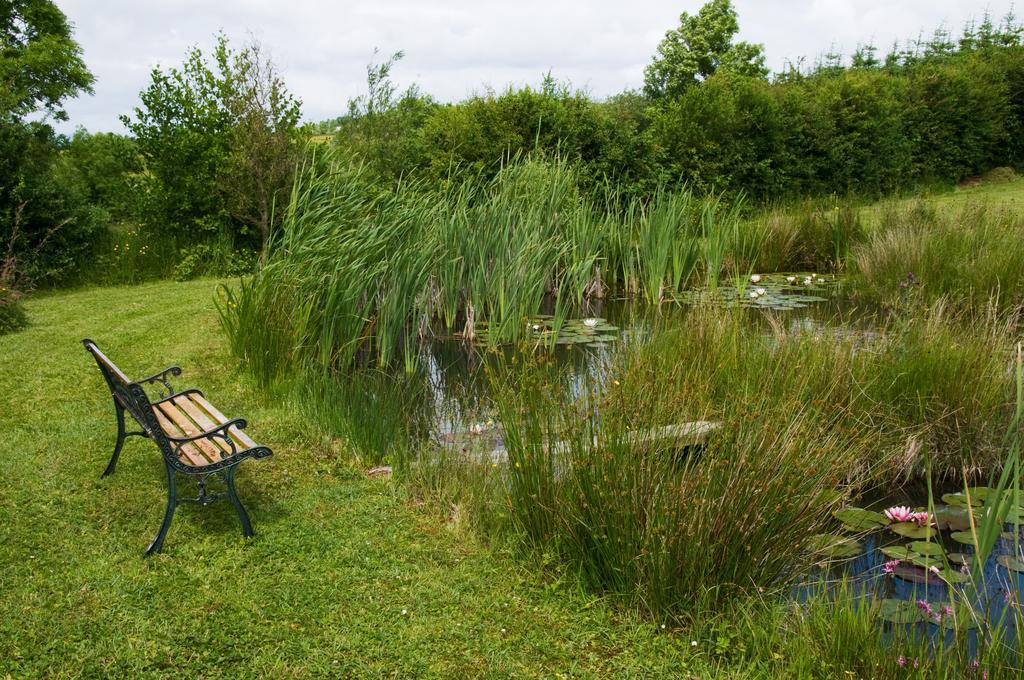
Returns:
(456, 47)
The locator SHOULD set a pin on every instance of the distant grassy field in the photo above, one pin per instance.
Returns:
(995, 195)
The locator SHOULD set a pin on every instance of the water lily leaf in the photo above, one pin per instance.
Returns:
(960, 558)
(835, 547)
(980, 492)
(965, 537)
(912, 530)
(1010, 536)
(952, 576)
(898, 611)
(1012, 563)
(926, 561)
(859, 519)
(915, 574)
(898, 552)
(952, 517)
(959, 499)
(927, 548)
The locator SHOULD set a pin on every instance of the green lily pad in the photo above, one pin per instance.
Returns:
(980, 492)
(898, 611)
(898, 552)
(835, 547)
(859, 519)
(1012, 563)
(927, 548)
(952, 517)
(953, 576)
(912, 530)
(915, 574)
(960, 500)
(965, 537)
(926, 561)
(960, 558)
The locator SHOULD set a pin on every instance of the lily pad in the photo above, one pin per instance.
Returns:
(1012, 563)
(898, 552)
(835, 547)
(960, 500)
(928, 548)
(1010, 536)
(912, 530)
(859, 519)
(960, 558)
(965, 537)
(898, 611)
(953, 576)
(952, 517)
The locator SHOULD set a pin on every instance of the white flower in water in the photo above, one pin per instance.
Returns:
(753, 295)
(760, 291)
(790, 279)
(807, 281)
(754, 278)
(693, 643)
(590, 323)
(536, 327)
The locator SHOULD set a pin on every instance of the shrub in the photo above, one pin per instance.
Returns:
(12, 314)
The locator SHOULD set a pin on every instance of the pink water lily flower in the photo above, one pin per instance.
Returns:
(899, 513)
(890, 566)
(922, 518)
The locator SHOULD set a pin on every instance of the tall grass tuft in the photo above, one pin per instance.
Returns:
(971, 256)
(360, 275)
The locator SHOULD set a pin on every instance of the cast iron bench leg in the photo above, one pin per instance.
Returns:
(243, 516)
(120, 440)
(172, 503)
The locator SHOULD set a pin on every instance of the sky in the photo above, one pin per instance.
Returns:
(455, 48)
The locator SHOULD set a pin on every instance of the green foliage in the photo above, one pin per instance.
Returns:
(208, 260)
(696, 50)
(219, 146)
(45, 226)
(40, 64)
(108, 166)
(12, 314)
(970, 254)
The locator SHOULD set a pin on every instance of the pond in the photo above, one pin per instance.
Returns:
(910, 565)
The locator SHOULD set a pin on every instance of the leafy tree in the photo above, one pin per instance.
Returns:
(40, 64)
(218, 142)
(44, 228)
(700, 46)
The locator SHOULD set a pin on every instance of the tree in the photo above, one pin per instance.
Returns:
(701, 45)
(44, 229)
(40, 64)
(219, 143)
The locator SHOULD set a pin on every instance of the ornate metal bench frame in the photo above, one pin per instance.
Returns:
(129, 395)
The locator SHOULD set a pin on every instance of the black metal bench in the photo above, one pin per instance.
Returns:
(194, 437)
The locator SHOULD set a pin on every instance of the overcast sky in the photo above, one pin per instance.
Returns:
(456, 47)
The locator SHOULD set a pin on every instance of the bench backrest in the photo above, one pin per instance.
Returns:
(128, 394)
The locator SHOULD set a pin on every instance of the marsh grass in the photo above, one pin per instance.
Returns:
(361, 275)
(971, 255)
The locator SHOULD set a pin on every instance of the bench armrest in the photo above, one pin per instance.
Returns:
(182, 393)
(163, 378)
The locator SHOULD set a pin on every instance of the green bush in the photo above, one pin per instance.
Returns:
(12, 314)
(207, 260)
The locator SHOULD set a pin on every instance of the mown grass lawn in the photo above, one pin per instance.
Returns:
(344, 578)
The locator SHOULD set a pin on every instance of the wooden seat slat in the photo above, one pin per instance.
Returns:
(239, 436)
(210, 450)
(202, 420)
(189, 452)
(186, 425)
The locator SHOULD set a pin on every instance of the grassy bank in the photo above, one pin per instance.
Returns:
(345, 577)
(322, 588)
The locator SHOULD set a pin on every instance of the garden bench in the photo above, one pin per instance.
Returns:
(194, 437)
